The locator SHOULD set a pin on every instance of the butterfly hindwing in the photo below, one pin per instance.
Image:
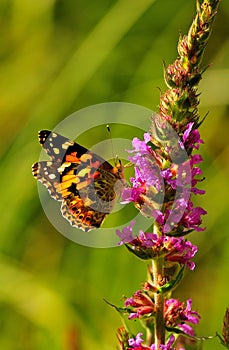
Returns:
(81, 215)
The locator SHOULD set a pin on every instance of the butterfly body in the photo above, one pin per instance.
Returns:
(84, 182)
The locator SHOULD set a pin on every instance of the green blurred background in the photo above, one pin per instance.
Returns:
(60, 56)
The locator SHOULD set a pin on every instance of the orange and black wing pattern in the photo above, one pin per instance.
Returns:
(83, 181)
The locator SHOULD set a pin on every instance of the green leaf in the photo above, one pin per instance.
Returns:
(121, 310)
(172, 284)
(140, 253)
(179, 331)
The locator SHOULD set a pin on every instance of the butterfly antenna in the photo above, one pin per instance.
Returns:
(112, 145)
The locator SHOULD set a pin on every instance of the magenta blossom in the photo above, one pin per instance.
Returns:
(174, 249)
(126, 234)
(136, 343)
(140, 305)
(148, 180)
(156, 182)
(185, 214)
(167, 346)
(177, 315)
(183, 176)
(191, 137)
(192, 217)
(196, 159)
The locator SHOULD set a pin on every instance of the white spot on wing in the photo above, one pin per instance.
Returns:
(56, 150)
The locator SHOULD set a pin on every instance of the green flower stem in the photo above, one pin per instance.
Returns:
(158, 275)
(159, 328)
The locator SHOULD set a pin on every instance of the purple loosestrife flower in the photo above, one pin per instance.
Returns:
(191, 138)
(131, 343)
(184, 175)
(141, 306)
(126, 235)
(189, 218)
(167, 346)
(196, 159)
(192, 217)
(136, 343)
(177, 315)
(150, 246)
(148, 184)
(158, 179)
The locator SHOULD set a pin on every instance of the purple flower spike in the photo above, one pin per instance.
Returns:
(167, 175)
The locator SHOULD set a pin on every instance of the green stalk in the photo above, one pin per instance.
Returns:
(159, 328)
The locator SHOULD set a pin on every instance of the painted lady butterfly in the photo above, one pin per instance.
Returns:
(84, 182)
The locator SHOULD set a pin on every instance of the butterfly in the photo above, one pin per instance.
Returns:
(84, 182)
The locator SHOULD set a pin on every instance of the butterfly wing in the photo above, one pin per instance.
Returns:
(82, 180)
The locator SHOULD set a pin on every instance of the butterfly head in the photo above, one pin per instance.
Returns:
(118, 169)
